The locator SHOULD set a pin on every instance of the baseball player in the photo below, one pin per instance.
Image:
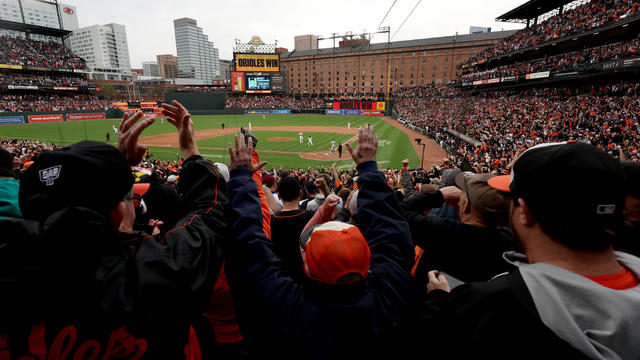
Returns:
(309, 141)
(333, 146)
(301, 135)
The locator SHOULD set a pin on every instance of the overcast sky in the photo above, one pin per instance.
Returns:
(150, 22)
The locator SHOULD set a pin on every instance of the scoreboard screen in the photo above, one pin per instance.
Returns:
(258, 82)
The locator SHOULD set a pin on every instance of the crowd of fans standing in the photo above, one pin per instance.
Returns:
(606, 116)
(234, 101)
(29, 52)
(305, 263)
(587, 16)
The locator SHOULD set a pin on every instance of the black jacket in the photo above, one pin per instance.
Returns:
(469, 253)
(74, 285)
(286, 227)
(285, 319)
(492, 320)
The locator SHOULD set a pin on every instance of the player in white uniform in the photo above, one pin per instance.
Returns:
(349, 125)
(250, 125)
(309, 141)
(301, 135)
(333, 146)
(115, 129)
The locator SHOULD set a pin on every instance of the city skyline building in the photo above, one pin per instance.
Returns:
(105, 49)
(197, 57)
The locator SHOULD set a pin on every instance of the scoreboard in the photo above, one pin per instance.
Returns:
(256, 73)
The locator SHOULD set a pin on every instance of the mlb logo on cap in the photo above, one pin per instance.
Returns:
(48, 175)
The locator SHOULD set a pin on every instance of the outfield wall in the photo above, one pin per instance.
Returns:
(57, 116)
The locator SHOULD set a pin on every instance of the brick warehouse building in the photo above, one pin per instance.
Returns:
(357, 67)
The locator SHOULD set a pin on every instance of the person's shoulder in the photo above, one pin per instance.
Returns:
(501, 292)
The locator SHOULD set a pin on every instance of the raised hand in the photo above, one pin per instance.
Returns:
(241, 156)
(130, 130)
(179, 117)
(367, 146)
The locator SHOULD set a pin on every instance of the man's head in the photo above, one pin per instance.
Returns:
(335, 253)
(557, 187)
(480, 202)
(289, 189)
(311, 188)
(87, 174)
(269, 181)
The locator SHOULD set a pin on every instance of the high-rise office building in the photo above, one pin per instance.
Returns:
(167, 66)
(197, 58)
(150, 68)
(105, 49)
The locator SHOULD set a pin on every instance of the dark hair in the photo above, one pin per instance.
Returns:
(289, 189)
(311, 187)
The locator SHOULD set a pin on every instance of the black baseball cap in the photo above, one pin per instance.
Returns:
(87, 174)
(562, 185)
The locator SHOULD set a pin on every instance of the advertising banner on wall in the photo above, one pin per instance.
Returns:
(45, 118)
(11, 120)
(93, 116)
(257, 112)
(22, 87)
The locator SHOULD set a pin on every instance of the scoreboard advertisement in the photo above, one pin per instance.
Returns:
(256, 62)
(355, 108)
(258, 83)
(237, 81)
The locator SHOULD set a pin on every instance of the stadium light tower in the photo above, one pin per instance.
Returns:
(419, 141)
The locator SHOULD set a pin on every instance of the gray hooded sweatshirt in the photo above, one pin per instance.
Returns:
(600, 322)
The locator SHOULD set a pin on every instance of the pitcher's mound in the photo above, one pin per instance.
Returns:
(280, 139)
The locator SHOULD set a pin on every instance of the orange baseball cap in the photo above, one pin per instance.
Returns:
(139, 190)
(334, 250)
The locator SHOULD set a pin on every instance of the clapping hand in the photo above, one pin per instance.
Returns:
(241, 156)
(130, 130)
(179, 117)
(367, 146)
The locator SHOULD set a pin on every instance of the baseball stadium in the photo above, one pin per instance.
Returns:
(351, 196)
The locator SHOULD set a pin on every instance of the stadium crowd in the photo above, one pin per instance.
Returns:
(234, 101)
(49, 80)
(587, 16)
(571, 60)
(501, 122)
(51, 102)
(306, 263)
(21, 51)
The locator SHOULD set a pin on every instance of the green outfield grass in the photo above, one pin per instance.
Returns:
(394, 145)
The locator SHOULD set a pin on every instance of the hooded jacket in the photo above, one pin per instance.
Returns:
(285, 319)
(9, 206)
(536, 311)
(74, 287)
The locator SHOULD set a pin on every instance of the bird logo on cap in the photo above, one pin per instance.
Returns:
(49, 175)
